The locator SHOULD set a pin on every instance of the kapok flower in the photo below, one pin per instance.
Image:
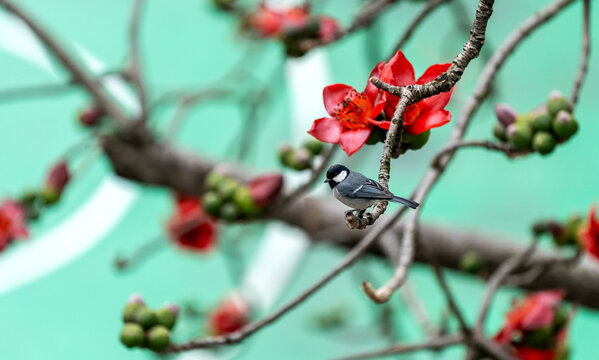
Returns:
(13, 223)
(269, 22)
(231, 315)
(190, 227)
(589, 234)
(533, 328)
(423, 115)
(352, 118)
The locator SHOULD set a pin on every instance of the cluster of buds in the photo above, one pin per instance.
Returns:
(33, 201)
(539, 130)
(90, 117)
(292, 26)
(301, 158)
(147, 328)
(536, 327)
(228, 199)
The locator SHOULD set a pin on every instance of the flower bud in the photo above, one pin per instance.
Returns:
(58, 177)
(136, 298)
(520, 135)
(564, 125)
(500, 132)
(90, 117)
(266, 188)
(130, 311)
(158, 338)
(229, 212)
(226, 188)
(132, 335)
(301, 160)
(146, 317)
(542, 122)
(506, 115)
(471, 262)
(557, 102)
(214, 179)
(212, 203)
(314, 146)
(244, 201)
(167, 315)
(543, 142)
(225, 5)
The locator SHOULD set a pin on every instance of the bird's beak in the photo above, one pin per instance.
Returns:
(327, 181)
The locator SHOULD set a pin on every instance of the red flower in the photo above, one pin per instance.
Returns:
(589, 235)
(12, 223)
(58, 177)
(231, 315)
(423, 115)
(268, 22)
(353, 116)
(328, 29)
(264, 189)
(190, 227)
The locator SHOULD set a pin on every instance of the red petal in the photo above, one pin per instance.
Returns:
(382, 124)
(432, 72)
(265, 189)
(429, 120)
(326, 130)
(398, 71)
(352, 140)
(371, 91)
(334, 95)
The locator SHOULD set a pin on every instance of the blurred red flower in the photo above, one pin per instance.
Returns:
(589, 235)
(423, 115)
(13, 223)
(264, 189)
(230, 315)
(190, 227)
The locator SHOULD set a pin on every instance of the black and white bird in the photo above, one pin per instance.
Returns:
(359, 192)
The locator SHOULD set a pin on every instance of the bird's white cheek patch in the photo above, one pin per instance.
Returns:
(340, 177)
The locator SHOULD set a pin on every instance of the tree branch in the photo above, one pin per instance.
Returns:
(586, 50)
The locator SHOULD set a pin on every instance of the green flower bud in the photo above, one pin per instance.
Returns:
(564, 125)
(213, 180)
(132, 335)
(416, 141)
(557, 102)
(29, 197)
(285, 153)
(158, 338)
(167, 316)
(520, 135)
(212, 203)
(525, 119)
(130, 311)
(146, 317)
(229, 212)
(538, 339)
(244, 201)
(302, 160)
(543, 142)
(471, 262)
(499, 132)
(226, 188)
(314, 146)
(542, 122)
(50, 196)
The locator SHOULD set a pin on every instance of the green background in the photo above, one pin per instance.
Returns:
(73, 313)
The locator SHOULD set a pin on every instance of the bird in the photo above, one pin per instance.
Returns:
(359, 192)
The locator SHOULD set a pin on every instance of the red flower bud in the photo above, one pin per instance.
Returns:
(265, 189)
(505, 114)
(90, 117)
(57, 178)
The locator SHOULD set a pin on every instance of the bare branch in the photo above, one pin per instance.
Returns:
(586, 50)
(134, 72)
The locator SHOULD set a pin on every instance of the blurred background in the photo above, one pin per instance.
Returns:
(60, 293)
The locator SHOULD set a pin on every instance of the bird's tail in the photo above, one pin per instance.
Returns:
(410, 203)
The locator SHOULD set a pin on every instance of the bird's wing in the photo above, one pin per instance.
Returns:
(369, 189)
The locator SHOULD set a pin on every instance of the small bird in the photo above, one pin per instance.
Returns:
(359, 192)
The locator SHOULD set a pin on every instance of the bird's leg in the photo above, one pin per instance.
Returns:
(360, 213)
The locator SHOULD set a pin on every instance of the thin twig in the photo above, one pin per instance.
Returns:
(428, 9)
(434, 344)
(134, 71)
(586, 50)
(77, 72)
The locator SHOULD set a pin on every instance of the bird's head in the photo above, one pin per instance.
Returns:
(336, 174)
